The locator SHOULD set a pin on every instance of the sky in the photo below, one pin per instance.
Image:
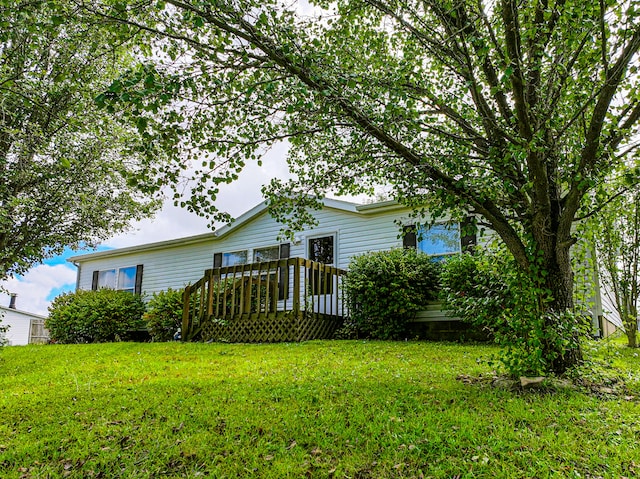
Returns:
(41, 284)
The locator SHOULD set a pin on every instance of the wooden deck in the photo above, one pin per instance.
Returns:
(291, 299)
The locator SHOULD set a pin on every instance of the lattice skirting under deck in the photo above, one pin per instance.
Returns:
(281, 328)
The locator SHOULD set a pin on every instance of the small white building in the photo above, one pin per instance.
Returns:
(23, 327)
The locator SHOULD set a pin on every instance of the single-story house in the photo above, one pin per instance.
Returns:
(23, 327)
(344, 229)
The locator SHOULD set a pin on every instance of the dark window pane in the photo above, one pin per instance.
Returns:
(321, 250)
(266, 254)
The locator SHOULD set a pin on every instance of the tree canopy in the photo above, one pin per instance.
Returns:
(615, 232)
(64, 164)
(512, 111)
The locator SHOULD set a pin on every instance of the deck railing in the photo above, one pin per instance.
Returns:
(253, 295)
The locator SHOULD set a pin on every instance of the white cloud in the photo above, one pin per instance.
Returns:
(234, 198)
(35, 286)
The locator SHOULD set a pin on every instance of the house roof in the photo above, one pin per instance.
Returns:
(243, 219)
(23, 313)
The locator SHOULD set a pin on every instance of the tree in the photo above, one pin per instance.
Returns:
(3, 331)
(513, 111)
(616, 231)
(64, 164)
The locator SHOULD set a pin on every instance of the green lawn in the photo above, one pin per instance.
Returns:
(320, 409)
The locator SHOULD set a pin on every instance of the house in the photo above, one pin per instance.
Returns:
(293, 276)
(343, 230)
(23, 327)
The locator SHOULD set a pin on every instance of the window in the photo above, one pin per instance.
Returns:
(234, 258)
(260, 255)
(107, 279)
(321, 250)
(127, 279)
(271, 253)
(121, 279)
(440, 239)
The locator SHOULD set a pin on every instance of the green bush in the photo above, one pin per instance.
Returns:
(94, 316)
(164, 314)
(488, 290)
(474, 288)
(385, 289)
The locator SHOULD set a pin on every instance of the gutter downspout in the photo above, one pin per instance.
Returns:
(78, 267)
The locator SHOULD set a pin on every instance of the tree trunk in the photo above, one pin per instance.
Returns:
(632, 340)
(631, 328)
(559, 283)
(557, 305)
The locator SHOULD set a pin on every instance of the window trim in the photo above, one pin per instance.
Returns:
(225, 253)
(276, 247)
(132, 289)
(137, 279)
(334, 235)
(321, 287)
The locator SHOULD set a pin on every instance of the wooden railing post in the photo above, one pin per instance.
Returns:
(296, 287)
(186, 300)
(209, 306)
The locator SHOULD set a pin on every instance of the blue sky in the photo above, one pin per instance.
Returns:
(62, 260)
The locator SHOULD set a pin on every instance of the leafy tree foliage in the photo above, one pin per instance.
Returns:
(616, 231)
(488, 291)
(514, 111)
(98, 316)
(63, 164)
(3, 332)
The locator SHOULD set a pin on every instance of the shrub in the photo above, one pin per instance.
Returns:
(94, 316)
(488, 290)
(385, 289)
(164, 314)
(474, 288)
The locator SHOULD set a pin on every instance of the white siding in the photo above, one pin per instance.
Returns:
(19, 324)
(177, 265)
(167, 268)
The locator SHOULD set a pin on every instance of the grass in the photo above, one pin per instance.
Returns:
(348, 409)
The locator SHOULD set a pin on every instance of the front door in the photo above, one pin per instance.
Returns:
(322, 285)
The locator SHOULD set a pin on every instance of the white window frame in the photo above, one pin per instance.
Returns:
(115, 284)
(333, 234)
(330, 289)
